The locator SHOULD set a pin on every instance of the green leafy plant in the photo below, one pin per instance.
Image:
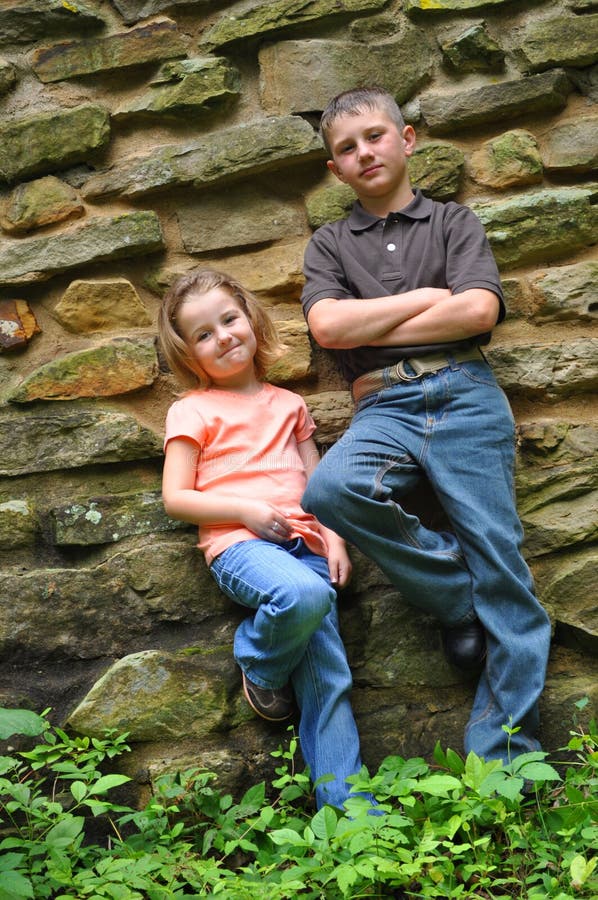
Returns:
(448, 828)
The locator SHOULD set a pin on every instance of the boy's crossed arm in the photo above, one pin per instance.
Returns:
(422, 316)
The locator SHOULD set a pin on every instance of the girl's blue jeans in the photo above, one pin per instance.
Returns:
(454, 427)
(294, 636)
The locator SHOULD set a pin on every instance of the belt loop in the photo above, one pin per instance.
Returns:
(402, 374)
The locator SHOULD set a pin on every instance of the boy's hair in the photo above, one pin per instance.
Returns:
(354, 103)
(176, 351)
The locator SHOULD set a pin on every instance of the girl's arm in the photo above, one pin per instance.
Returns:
(183, 501)
(339, 564)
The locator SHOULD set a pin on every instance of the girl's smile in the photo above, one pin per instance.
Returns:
(220, 338)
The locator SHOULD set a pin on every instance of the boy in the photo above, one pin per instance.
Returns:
(404, 292)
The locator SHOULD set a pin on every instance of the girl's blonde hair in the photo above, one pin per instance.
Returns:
(176, 351)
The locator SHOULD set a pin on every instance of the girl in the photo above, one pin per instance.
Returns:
(238, 454)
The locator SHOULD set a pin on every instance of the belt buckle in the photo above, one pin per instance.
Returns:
(402, 375)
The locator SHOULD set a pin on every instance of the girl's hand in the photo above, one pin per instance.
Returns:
(266, 521)
(339, 564)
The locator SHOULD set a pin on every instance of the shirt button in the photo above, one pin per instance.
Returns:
(391, 247)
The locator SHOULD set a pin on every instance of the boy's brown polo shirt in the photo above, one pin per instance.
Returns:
(426, 244)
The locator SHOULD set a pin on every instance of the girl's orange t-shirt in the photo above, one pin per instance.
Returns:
(246, 446)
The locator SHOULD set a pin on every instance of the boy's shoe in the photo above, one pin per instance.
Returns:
(465, 645)
(274, 705)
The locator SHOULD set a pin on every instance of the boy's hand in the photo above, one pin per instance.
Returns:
(265, 521)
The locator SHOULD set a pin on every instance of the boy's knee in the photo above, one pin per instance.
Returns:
(321, 491)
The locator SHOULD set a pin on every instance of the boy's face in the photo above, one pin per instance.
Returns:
(369, 153)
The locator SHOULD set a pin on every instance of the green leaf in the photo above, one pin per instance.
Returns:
(324, 823)
(477, 769)
(440, 756)
(287, 836)
(539, 771)
(14, 886)
(510, 787)
(252, 800)
(455, 763)
(78, 790)
(98, 807)
(106, 782)
(176, 829)
(65, 832)
(20, 721)
(438, 785)
(581, 869)
(20, 792)
(453, 825)
(10, 861)
(267, 814)
(7, 763)
(346, 876)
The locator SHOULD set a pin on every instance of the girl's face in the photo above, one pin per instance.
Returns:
(220, 338)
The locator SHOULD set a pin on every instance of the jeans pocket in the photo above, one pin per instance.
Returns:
(368, 400)
(479, 372)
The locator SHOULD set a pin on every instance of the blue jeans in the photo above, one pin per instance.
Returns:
(294, 636)
(454, 427)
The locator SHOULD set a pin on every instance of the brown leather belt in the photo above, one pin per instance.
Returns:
(421, 365)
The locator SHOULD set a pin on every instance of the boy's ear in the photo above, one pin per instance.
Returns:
(332, 166)
(409, 139)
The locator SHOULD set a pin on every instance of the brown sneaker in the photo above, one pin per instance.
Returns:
(275, 706)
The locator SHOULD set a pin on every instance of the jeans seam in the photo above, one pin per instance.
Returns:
(396, 507)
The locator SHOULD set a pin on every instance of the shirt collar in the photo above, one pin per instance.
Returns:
(419, 208)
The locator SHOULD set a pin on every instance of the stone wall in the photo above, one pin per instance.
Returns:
(141, 138)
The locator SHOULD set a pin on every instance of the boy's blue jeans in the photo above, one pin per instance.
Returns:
(455, 427)
(294, 636)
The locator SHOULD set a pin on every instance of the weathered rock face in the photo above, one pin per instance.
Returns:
(247, 149)
(245, 21)
(142, 138)
(44, 201)
(105, 370)
(43, 143)
(101, 305)
(191, 87)
(97, 240)
(32, 20)
(147, 43)
(17, 324)
(300, 76)
(502, 102)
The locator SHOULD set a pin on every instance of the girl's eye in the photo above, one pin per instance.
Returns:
(202, 336)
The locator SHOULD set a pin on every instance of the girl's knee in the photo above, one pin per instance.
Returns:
(309, 603)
